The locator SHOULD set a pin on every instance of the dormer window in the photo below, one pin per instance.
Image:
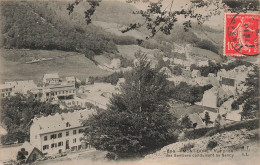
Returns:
(67, 124)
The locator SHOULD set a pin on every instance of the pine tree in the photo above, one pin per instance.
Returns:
(207, 118)
(138, 119)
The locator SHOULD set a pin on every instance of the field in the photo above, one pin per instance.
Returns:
(13, 66)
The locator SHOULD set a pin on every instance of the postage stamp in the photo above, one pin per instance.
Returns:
(241, 38)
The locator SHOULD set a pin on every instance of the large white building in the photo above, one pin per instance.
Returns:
(60, 132)
(51, 79)
(6, 90)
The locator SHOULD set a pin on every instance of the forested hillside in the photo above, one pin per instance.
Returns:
(47, 25)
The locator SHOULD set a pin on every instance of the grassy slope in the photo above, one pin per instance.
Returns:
(13, 65)
(128, 51)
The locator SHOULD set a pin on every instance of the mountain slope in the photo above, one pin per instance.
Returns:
(47, 25)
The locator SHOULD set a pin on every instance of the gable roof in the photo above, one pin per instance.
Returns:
(195, 118)
(29, 148)
(51, 75)
(6, 86)
(71, 78)
(59, 122)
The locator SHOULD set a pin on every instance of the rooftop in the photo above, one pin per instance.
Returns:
(51, 75)
(59, 122)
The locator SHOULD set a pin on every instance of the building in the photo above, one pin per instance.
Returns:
(195, 73)
(234, 115)
(6, 90)
(202, 63)
(115, 63)
(54, 92)
(211, 75)
(214, 97)
(234, 79)
(22, 87)
(60, 132)
(70, 80)
(51, 79)
(33, 152)
(196, 120)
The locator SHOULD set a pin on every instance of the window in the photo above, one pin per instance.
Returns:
(67, 124)
(45, 138)
(67, 133)
(35, 136)
(74, 140)
(60, 144)
(74, 132)
(81, 130)
(53, 145)
(59, 135)
(53, 136)
(45, 147)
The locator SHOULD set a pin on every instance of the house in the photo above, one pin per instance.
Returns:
(195, 73)
(33, 153)
(51, 79)
(233, 79)
(202, 63)
(214, 97)
(54, 92)
(6, 90)
(226, 106)
(70, 80)
(22, 87)
(60, 132)
(196, 120)
(186, 73)
(211, 75)
(234, 115)
(115, 63)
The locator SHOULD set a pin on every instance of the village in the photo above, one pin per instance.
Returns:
(59, 133)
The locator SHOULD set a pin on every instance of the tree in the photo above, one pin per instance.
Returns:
(138, 118)
(21, 155)
(162, 19)
(186, 122)
(207, 118)
(17, 112)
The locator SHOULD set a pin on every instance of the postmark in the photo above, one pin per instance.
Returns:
(241, 35)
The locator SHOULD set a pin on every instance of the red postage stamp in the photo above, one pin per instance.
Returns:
(241, 35)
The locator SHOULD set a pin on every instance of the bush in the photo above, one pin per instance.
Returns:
(186, 147)
(196, 133)
(111, 156)
(249, 125)
(212, 144)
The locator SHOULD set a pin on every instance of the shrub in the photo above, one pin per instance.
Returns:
(186, 147)
(212, 144)
(196, 133)
(111, 156)
(249, 125)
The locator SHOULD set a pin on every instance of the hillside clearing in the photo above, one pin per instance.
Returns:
(13, 65)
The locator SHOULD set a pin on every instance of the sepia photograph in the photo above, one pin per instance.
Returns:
(131, 82)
